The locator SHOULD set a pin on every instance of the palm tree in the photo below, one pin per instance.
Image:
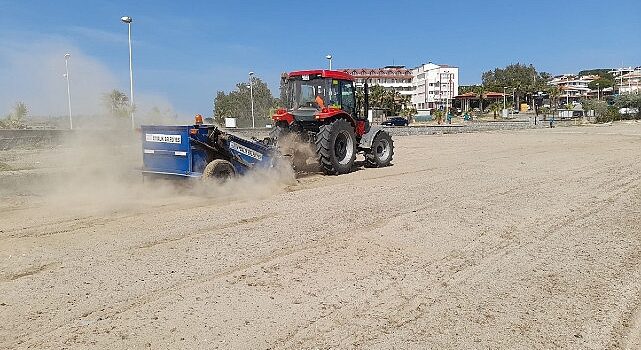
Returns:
(554, 93)
(438, 115)
(495, 107)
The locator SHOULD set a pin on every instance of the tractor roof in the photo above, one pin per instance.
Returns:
(334, 74)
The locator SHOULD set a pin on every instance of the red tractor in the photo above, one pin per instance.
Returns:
(321, 109)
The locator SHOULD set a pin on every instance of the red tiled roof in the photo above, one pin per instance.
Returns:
(378, 72)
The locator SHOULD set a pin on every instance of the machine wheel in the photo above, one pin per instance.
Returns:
(220, 170)
(277, 132)
(336, 147)
(382, 151)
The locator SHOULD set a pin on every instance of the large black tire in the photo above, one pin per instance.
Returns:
(277, 132)
(219, 170)
(382, 151)
(336, 147)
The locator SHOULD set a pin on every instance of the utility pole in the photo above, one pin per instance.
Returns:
(504, 100)
(251, 95)
(67, 55)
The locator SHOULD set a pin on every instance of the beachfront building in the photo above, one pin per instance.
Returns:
(627, 80)
(435, 86)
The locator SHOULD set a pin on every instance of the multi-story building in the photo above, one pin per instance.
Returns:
(618, 72)
(434, 86)
(429, 85)
(572, 86)
(397, 78)
(627, 80)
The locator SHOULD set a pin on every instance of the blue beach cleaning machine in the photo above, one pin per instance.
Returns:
(202, 151)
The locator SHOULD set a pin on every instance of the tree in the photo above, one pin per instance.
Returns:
(554, 92)
(495, 107)
(600, 72)
(545, 111)
(630, 101)
(603, 112)
(463, 89)
(388, 100)
(438, 115)
(15, 119)
(524, 78)
(602, 83)
(117, 103)
(237, 103)
(409, 113)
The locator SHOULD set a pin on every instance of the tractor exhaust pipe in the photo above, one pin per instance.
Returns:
(366, 102)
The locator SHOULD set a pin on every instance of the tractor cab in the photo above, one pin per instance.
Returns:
(315, 95)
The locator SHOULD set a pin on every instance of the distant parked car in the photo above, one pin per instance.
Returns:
(396, 121)
(628, 110)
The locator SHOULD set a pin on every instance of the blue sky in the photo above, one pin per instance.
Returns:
(184, 52)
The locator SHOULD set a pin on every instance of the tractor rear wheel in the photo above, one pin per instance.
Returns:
(219, 170)
(336, 147)
(382, 151)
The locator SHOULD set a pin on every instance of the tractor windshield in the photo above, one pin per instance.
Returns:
(311, 93)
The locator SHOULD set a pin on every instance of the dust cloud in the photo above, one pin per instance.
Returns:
(101, 172)
(96, 168)
(301, 153)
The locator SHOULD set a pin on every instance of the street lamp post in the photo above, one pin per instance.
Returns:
(127, 20)
(251, 95)
(67, 55)
(504, 101)
(598, 92)
(329, 58)
(513, 98)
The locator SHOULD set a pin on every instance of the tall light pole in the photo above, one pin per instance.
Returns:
(598, 92)
(67, 55)
(513, 99)
(251, 95)
(127, 20)
(329, 58)
(504, 98)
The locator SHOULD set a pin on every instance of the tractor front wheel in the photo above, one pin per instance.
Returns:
(382, 151)
(277, 132)
(219, 170)
(336, 147)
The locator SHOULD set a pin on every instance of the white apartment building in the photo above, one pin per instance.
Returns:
(627, 80)
(434, 86)
(572, 86)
